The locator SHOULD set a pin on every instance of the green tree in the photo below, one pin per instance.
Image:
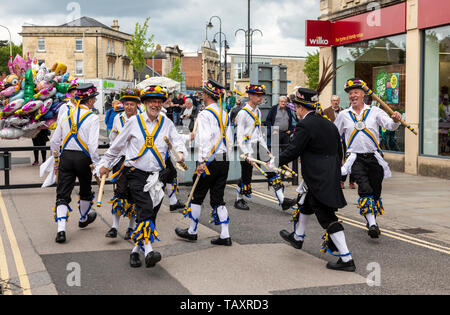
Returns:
(175, 73)
(4, 54)
(140, 46)
(311, 70)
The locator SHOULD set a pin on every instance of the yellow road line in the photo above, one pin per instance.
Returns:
(392, 234)
(4, 272)
(21, 271)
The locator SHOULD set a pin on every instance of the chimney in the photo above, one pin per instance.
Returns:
(115, 25)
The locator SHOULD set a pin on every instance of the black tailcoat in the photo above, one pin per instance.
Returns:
(318, 144)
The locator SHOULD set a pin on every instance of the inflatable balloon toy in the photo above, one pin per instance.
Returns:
(11, 108)
(19, 66)
(44, 109)
(29, 107)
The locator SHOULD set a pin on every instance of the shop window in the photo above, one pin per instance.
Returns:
(436, 107)
(381, 64)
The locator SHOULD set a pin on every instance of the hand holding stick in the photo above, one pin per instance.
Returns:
(100, 191)
(387, 108)
(181, 163)
(279, 170)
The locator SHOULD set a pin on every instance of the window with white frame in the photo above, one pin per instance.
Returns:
(78, 44)
(79, 67)
(41, 44)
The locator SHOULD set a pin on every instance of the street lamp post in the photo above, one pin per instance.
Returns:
(249, 46)
(224, 43)
(10, 41)
(210, 25)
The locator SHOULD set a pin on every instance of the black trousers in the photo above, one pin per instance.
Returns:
(368, 174)
(122, 191)
(145, 210)
(39, 142)
(214, 183)
(73, 165)
(326, 216)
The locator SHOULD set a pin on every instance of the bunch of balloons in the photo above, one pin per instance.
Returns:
(30, 97)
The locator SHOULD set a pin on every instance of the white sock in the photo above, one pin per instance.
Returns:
(223, 216)
(131, 224)
(148, 247)
(301, 226)
(370, 219)
(116, 219)
(339, 240)
(238, 196)
(280, 195)
(196, 211)
(172, 199)
(61, 211)
(84, 207)
(136, 249)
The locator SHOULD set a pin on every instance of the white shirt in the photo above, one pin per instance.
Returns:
(209, 133)
(88, 131)
(245, 128)
(131, 140)
(118, 125)
(376, 118)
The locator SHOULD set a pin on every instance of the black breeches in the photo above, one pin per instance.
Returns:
(214, 183)
(73, 165)
(145, 210)
(325, 215)
(368, 174)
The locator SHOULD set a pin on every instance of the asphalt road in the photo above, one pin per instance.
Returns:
(396, 266)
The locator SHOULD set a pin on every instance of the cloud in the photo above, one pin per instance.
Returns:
(181, 22)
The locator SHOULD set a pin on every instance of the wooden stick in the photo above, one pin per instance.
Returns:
(182, 164)
(186, 205)
(56, 157)
(387, 108)
(279, 170)
(100, 191)
(289, 170)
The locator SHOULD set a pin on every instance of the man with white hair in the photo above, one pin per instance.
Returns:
(281, 117)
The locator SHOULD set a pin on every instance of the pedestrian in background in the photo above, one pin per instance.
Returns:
(177, 104)
(40, 140)
(111, 114)
(280, 116)
(230, 101)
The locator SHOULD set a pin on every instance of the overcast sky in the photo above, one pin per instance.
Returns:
(181, 22)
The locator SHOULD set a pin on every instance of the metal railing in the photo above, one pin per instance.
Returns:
(6, 158)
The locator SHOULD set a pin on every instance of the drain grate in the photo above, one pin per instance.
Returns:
(416, 231)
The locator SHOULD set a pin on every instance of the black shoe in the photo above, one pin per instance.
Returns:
(135, 261)
(111, 233)
(288, 203)
(343, 266)
(289, 237)
(176, 206)
(374, 231)
(152, 258)
(60, 237)
(183, 233)
(222, 241)
(91, 218)
(128, 234)
(241, 205)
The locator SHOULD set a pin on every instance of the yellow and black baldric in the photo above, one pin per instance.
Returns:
(75, 125)
(150, 139)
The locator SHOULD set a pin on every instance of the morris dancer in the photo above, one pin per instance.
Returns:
(142, 141)
(360, 123)
(121, 201)
(317, 143)
(76, 140)
(215, 140)
(252, 143)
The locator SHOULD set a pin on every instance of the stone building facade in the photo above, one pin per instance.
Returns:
(90, 49)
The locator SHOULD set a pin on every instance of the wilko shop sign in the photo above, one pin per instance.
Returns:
(373, 24)
(318, 33)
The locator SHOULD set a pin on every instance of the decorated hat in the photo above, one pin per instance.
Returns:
(307, 98)
(72, 87)
(130, 94)
(354, 83)
(118, 106)
(255, 89)
(154, 91)
(213, 89)
(85, 91)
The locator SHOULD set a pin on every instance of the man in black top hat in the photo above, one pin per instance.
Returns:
(76, 141)
(317, 143)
